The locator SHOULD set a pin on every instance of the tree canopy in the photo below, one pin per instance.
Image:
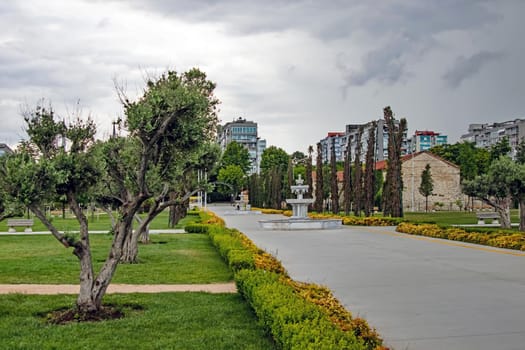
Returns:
(234, 176)
(168, 128)
(495, 187)
(236, 154)
(274, 157)
(471, 160)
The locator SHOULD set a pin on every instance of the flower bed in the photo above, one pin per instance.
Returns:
(347, 220)
(500, 239)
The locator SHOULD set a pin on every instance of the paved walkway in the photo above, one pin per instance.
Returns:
(118, 288)
(420, 293)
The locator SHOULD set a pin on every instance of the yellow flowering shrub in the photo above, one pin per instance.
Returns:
(210, 218)
(500, 239)
(268, 210)
(369, 221)
(324, 298)
(252, 258)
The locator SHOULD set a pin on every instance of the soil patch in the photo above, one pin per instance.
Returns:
(67, 316)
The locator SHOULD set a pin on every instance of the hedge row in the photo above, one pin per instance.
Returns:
(347, 220)
(294, 322)
(500, 239)
(196, 228)
(298, 315)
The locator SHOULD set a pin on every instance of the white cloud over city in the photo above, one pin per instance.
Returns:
(298, 68)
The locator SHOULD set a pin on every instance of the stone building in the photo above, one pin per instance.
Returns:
(447, 193)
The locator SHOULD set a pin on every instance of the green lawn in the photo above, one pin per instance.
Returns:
(97, 222)
(170, 258)
(152, 321)
(165, 321)
(447, 218)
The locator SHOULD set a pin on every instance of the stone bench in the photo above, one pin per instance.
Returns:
(27, 223)
(486, 216)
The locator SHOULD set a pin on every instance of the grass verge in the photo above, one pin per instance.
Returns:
(169, 259)
(100, 222)
(158, 321)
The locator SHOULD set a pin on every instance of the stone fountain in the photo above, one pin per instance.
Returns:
(299, 219)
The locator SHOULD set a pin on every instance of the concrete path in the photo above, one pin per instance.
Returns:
(118, 288)
(420, 293)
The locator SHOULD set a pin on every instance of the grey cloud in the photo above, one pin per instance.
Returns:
(385, 64)
(405, 31)
(328, 20)
(466, 67)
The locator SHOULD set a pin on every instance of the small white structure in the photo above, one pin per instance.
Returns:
(300, 219)
(299, 204)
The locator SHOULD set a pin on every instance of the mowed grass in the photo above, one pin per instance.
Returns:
(448, 218)
(97, 222)
(168, 259)
(152, 321)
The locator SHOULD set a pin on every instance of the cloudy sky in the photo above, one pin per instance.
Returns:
(298, 68)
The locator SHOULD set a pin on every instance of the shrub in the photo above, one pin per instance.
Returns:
(500, 239)
(370, 221)
(293, 322)
(196, 228)
(240, 259)
(270, 287)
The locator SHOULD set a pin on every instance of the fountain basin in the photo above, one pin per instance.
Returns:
(300, 224)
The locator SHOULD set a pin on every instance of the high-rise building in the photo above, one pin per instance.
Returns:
(351, 130)
(487, 135)
(336, 139)
(243, 132)
(425, 140)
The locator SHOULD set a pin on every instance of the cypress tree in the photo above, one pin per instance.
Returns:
(369, 187)
(427, 184)
(318, 204)
(358, 175)
(347, 176)
(392, 192)
(334, 189)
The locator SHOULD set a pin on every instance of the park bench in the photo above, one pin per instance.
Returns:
(487, 215)
(27, 223)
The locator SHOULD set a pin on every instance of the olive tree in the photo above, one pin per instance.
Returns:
(59, 162)
(168, 125)
(497, 187)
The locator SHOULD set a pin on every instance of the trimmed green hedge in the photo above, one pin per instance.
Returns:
(196, 228)
(498, 238)
(297, 315)
(294, 322)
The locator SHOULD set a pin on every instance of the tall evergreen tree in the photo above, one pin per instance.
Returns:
(309, 180)
(289, 179)
(347, 176)
(255, 190)
(393, 188)
(369, 188)
(276, 184)
(358, 175)
(334, 188)
(427, 185)
(319, 194)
